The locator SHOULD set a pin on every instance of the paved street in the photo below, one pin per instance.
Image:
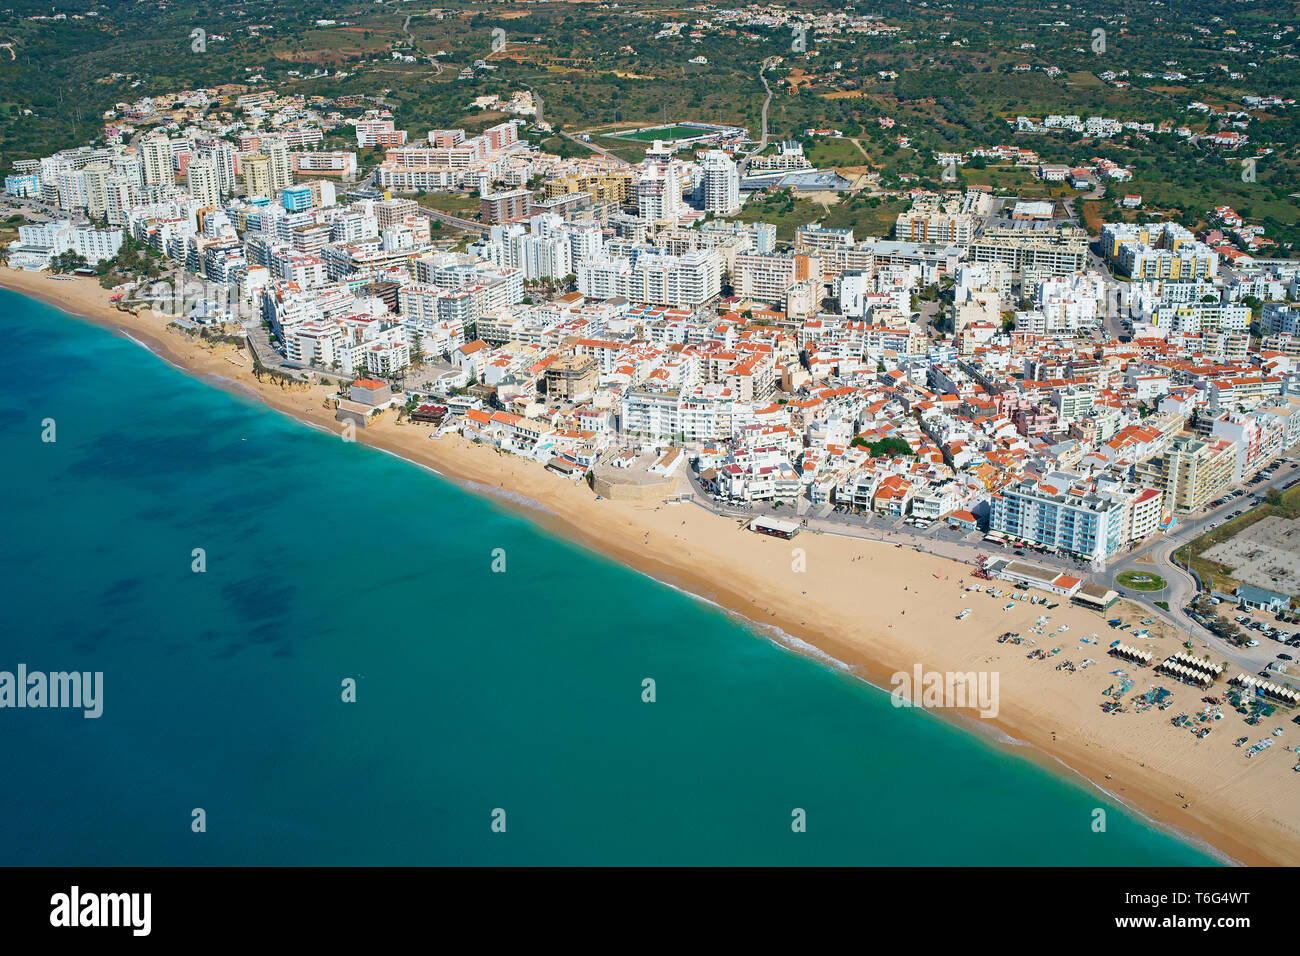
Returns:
(1155, 556)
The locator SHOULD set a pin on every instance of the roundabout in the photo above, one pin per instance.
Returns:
(1141, 581)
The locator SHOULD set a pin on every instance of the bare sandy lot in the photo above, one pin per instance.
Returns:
(1266, 554)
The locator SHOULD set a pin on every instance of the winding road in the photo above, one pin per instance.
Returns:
(539, 103)
(433, 61)
(767, 101)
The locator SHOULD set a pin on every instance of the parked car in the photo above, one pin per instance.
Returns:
(1284, 657)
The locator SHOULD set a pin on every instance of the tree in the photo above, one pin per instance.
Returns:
(68, 261)
(885, 447)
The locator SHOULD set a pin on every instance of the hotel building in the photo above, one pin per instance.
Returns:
(1061, 514)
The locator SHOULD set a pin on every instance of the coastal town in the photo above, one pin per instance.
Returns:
(1093, 423)
(988, 369)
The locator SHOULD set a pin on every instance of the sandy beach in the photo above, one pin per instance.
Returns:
(873, 609)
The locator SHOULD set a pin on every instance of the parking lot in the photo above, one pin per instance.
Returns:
(1275, 640)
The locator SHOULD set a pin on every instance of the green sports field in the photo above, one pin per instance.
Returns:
(666, 133)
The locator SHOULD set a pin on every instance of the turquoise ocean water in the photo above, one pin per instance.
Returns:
(475, 690)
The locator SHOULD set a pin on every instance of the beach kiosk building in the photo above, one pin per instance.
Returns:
(1261, 599)
(1095, 597)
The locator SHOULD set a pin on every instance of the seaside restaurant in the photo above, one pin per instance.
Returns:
(775, 527)
(1095, 597)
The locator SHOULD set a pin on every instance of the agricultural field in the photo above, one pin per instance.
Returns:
(628, 149)
(783, 210)
(1013, 180)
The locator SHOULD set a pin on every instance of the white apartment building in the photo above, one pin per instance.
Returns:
(222, 157)
(659, 193)
(1061, 514)
(543, 257)
(704, 414)
(425, 307)
(1202, 317)
(204, 185)
(721, 183)
(769, 278)
(1276, 319)
(157, 161)
(691, 279)
(1070, 302)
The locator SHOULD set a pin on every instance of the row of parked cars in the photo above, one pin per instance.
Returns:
(1220, 502)
(1267, 474)
(1277, 634)
(1260, 476)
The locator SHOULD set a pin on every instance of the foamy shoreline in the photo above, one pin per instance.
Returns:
(838, 614)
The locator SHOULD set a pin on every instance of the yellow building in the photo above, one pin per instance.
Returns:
(257, 175)
(1190, 472)
(611, 184)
